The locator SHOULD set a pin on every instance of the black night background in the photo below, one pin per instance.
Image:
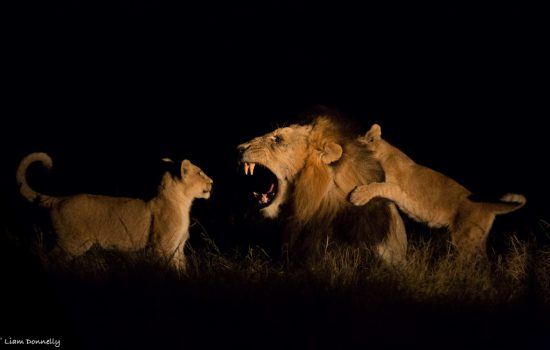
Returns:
(108, 88)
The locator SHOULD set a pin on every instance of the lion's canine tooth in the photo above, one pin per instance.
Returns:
(246, 167)
(252, 165)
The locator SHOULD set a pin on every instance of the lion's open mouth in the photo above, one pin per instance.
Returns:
(262, 184)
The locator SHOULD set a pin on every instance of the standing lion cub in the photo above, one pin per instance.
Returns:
(126, 224)
(431, 197)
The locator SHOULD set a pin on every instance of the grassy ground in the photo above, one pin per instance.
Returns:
(235, 299)
(427, 276)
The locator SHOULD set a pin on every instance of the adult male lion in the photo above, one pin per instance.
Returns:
(310, 171)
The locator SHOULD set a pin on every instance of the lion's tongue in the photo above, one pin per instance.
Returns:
(265, 198)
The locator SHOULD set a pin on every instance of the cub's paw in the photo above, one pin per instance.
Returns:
(360, 195)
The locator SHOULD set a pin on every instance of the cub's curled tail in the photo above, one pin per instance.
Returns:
(21, 176)
(508, 203)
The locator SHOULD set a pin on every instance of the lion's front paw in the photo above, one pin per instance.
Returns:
(360, 195)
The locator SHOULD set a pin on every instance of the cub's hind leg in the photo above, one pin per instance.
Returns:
(74, 241)
(470, 231)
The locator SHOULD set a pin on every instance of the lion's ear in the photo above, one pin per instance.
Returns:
(331, 153)
(375, 133)
(185, 168)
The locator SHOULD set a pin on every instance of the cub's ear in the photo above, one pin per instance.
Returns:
(167, 160)
(375, 133)
(185, 168)
(331, 153)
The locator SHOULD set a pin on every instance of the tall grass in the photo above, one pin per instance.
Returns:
(347, 298)
(426, 276)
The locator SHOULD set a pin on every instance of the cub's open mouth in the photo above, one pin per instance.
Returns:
(261, 183)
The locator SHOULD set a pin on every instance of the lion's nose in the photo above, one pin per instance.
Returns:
(242, 148)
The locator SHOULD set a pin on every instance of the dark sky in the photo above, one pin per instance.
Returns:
(108, 87)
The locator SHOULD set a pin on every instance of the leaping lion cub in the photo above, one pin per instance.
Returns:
(431, 197)
(123, 223)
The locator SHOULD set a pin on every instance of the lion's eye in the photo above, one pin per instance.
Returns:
(277, 139)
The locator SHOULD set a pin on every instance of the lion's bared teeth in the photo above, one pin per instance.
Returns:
(258, 184)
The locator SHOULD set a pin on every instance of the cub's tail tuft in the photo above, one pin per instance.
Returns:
(509, 202)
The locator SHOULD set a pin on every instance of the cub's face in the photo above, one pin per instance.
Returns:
(373, 140)
(195, 182)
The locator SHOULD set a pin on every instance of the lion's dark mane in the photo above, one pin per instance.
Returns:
(351, 225)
